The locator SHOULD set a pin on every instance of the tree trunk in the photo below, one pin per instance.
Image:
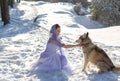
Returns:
(5, 11)
(2, 13)
(18, 1)
(11, 3)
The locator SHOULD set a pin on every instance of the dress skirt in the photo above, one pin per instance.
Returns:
(52, 60)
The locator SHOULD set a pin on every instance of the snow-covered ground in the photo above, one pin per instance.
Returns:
(22, 41)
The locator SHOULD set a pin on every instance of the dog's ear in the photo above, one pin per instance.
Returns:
(87, 34)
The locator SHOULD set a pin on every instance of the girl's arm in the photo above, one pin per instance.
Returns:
(62, 44)
(70, 46)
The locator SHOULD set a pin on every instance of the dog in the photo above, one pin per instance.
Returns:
(95, 55)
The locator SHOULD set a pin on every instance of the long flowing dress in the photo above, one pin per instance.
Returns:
(53, 58)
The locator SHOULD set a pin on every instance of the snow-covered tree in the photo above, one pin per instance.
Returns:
(106, 11)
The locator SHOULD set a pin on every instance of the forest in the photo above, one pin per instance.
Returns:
(105, 11)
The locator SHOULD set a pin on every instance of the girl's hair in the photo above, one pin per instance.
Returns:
(54, 27)
(57, 26)
(53, 31)
(54, 38)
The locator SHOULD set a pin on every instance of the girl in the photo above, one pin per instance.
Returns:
(53, 58)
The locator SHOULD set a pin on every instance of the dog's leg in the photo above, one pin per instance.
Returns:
(85, 64)
(103, 67)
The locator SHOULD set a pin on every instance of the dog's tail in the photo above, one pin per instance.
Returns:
(116, 70)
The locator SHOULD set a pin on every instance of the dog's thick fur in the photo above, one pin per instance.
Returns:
(95, 55)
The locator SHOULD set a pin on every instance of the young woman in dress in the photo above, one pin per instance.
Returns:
(53, 58)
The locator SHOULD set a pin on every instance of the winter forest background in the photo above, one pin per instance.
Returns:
(105, 11)
(24, 31)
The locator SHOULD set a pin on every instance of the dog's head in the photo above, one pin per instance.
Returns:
(84, 39)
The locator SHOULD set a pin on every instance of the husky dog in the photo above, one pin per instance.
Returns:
(95, 55)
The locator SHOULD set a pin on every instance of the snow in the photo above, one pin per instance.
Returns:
(22, 41)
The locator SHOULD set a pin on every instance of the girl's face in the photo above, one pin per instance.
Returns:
(58, 30)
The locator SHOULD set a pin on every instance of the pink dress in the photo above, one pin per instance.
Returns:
(53, 58)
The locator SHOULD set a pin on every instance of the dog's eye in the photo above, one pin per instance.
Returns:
(82, 39)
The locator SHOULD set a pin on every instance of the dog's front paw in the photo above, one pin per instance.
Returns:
(83, 70)
(100, 72)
